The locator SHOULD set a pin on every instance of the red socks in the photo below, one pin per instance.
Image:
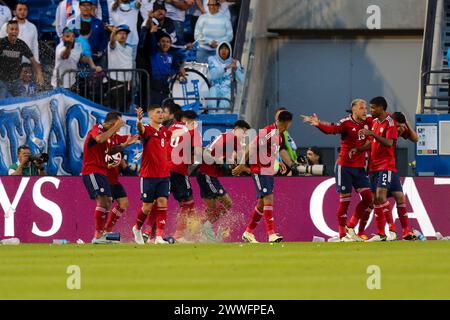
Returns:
(380, 218)
(113, 217)
(269, 220)
(185, 212)
(100, 220)
(140, 219)
(256, 217)
(364, 219)
(361, 208)
(344, 203)
(161, 218)
(403, 217)
(389, 217)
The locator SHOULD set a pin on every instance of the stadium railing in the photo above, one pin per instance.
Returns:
(106, 89)
(200, 104)
(427, 82)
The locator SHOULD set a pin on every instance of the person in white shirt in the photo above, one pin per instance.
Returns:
(125, 12)
(67, 56)
(120, 58)
(202, 5)
(146, 7)
(66, 10)
(5, 13)
(27, 31)
(176, 10)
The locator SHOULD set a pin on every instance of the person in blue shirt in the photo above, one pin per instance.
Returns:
(24, 86)
(162, 66)
(99, 38)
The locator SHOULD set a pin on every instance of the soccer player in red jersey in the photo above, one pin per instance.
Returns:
(350, 168)
(118, 192)
(154, 173)
(185, 145)
(382, 164)
(222, 151)
(94, 169)
(263, 153)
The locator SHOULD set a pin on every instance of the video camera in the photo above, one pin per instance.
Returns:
(40, 158)
(303, 168)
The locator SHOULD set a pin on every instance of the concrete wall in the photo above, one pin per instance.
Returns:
(343, 14)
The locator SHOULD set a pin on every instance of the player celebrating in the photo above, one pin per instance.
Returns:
(154, 173)
(94, 170)
(185, 142)
(382, 168)
(263, 153)
(350, 168)
(222, 151)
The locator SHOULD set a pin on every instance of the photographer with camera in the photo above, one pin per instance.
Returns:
(28, 164)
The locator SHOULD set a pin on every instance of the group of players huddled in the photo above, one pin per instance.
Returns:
(171, 152)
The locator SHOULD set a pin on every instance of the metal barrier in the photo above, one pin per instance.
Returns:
(201, 101)
(119, 89)
(444, 87)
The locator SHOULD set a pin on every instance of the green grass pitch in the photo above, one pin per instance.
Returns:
(409, 270)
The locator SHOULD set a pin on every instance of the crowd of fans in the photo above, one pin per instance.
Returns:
(93, 36)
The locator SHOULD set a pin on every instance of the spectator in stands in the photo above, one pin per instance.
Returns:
(125, 12)
(4, 93)
(163, 66)
(68, 9)
(98, 39)
(5, 13)
(27, 31)
(169, 109)
(24, 86)
(211, 29)
(223, 70)
(314, 156)
(224, 8)
(25, 167)
(12, 50)
(176, 10)
(147, 8)
(120, 56)
(67, 57)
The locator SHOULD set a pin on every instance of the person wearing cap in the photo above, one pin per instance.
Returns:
(98, 38)
(28, 32)
(125, 12)
(66, 10)
(162, 66)
(67, 55)
(120, 55)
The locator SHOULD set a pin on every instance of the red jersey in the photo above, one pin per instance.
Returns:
(155, 154)
(382, 157)
(350, 138)
(94, 153)
(113, 173)
(267, 150)
(190, 139)
(221, 148)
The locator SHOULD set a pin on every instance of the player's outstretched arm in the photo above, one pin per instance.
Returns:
(131, 140)
(139, 124)
(102, 138)
(325, 127)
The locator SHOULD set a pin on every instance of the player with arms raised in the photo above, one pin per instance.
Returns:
(350, 168)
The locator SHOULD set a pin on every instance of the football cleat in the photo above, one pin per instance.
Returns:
(391, 236)
(160, 240)
(410, 236)
(249, 237)
(363, 237)
(352, 235)
(274, 238)
(138, 236)
(347, 238)
(101, 240)
(377, 238)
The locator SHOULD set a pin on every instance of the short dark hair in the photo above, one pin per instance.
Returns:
(10, 22)
(162, 34)
(285, 116)
(280, 109)
(25, 65)
(399, 117)
(316, 151)
(23, 3)
(153, 107)
(178, 116)
(380, 102)
(23, 147)
(189, 114)
(173, 107)
(241, 124)
(112, 116)
(85, 28)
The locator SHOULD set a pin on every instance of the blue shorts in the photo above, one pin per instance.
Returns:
(180, 187)
(154, 188)
(385, 180)
(348, 178)
(118, 191)
(264, 185)
(210, 187)
(97, 185)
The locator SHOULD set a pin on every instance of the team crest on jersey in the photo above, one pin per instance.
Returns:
(162, 143)
(366, 127)
(381, 130)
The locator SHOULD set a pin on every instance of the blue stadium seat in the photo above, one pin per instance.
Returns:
(42, 14)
